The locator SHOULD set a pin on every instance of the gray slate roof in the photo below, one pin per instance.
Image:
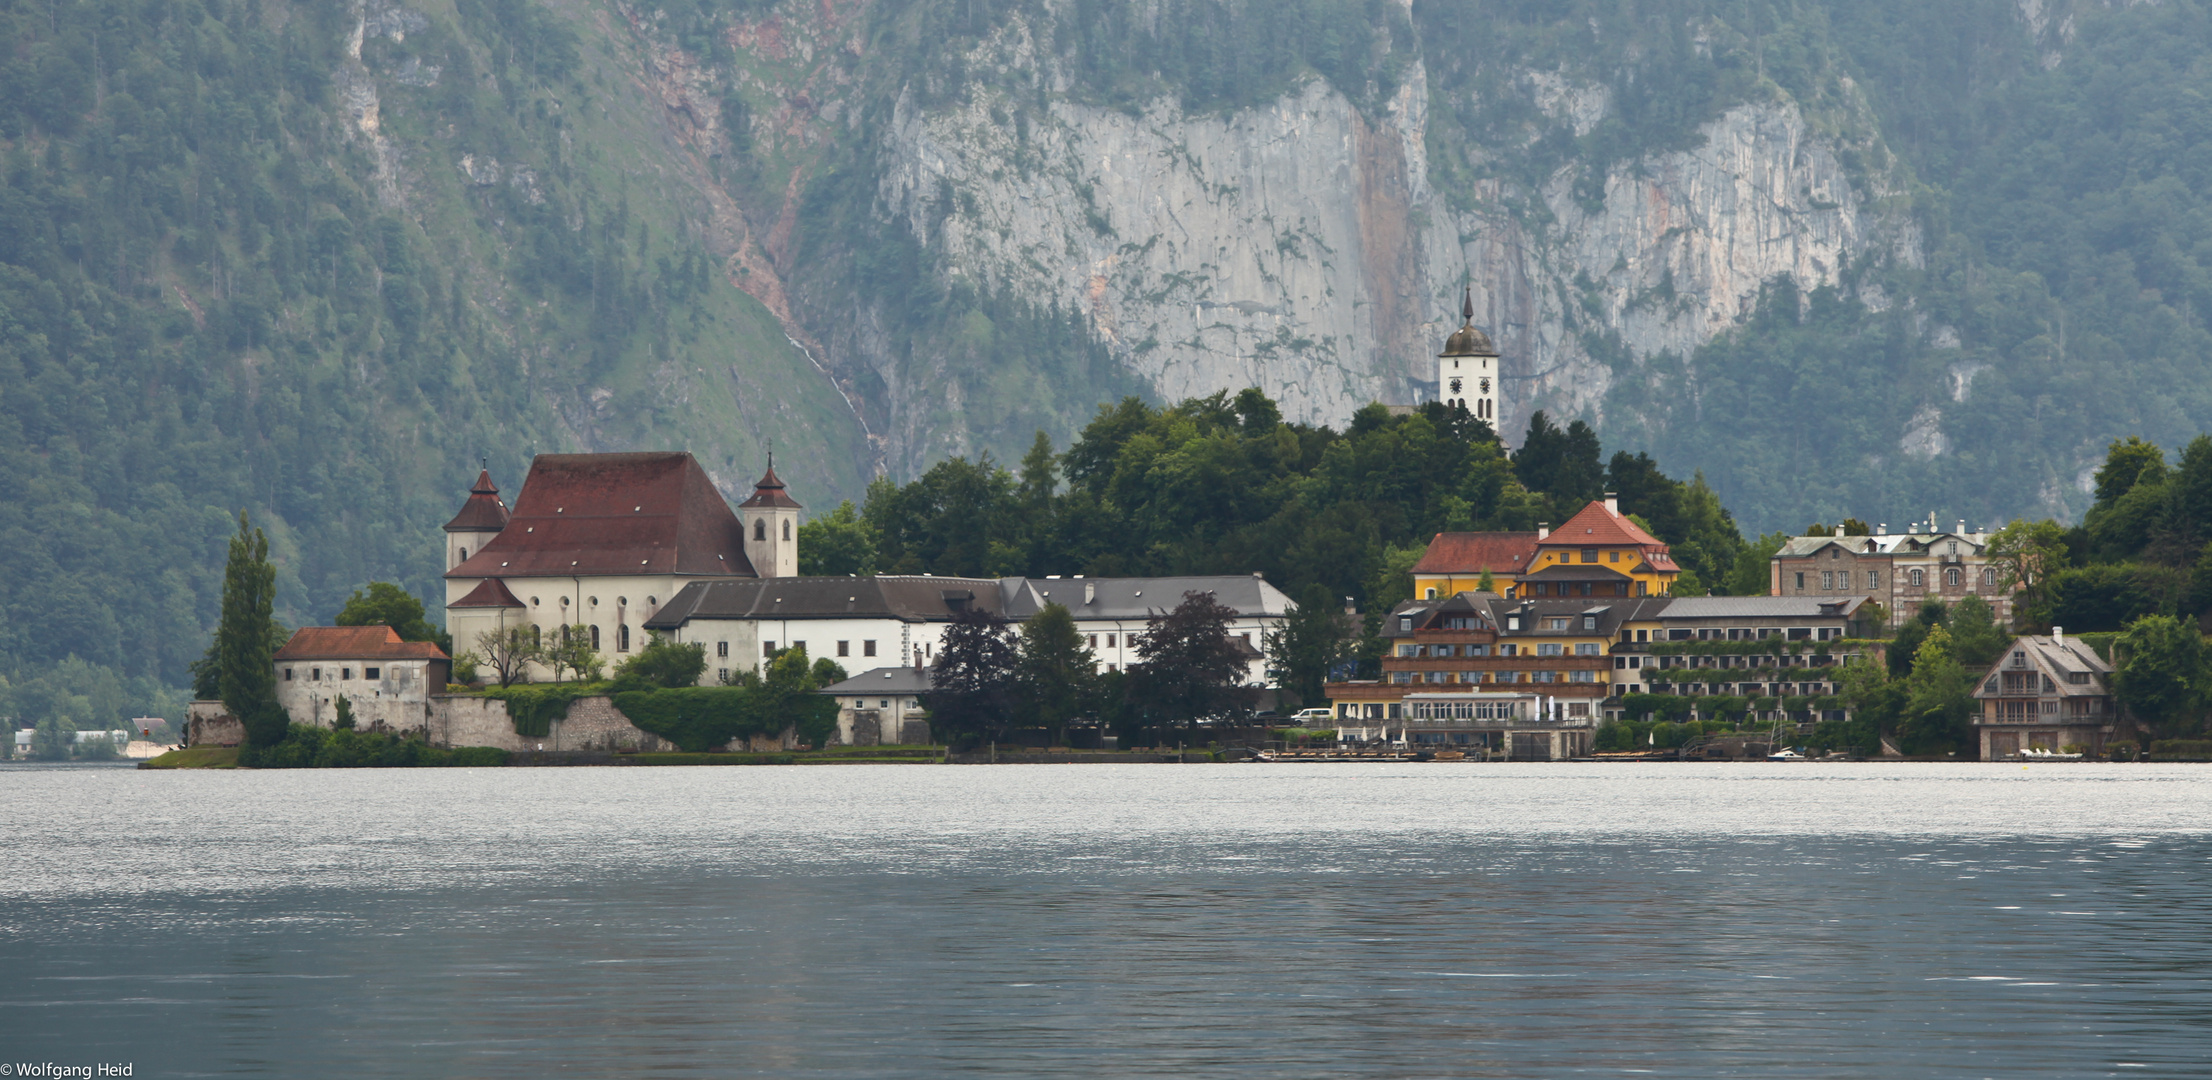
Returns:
(884, 596)
(1136, 599)
(884, 680)
(1761, 607)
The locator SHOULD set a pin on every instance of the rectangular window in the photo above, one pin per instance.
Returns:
(1409, 650)
(1509, 650)
(1109, 641)
(1111, 668)
(1612, 556)
(844, 648)
(1587, 648)
(1827, 581)
(1582, 676)
(722, 675)
(372, 673)
(867, 648)
(722, 648)
(767, 648)
(1548, 649)
(345, 673)
(315, 673)
(1800, 581)
(287, 674)
(1589, 555)
(1547, 676)
(1555, 624)
(799, 645)
(1094, 641)
(1589, 622)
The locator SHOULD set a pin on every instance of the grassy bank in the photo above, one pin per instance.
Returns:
(197, 757)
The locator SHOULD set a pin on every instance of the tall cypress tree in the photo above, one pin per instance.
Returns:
(248, 637)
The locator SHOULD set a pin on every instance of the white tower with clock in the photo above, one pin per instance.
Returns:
(1467, 369)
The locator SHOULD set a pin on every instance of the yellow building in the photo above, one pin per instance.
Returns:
(1598, 552)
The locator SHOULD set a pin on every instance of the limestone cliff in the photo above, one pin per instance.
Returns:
(1301, 246)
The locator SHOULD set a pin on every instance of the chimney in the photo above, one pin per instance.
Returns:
(1613, 503)
(1882, 529)
(2058, 635)
(1543, 529)
(1090, 592)
(1350, 608)
(1962, 526)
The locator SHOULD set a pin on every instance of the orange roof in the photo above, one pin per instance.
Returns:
(1595, 526)
(1475, 552)
(355, 643)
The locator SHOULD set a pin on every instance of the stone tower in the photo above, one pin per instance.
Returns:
(771, 520)
(481, 518)
(1467, 369)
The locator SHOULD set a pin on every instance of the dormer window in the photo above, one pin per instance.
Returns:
(1405, 623)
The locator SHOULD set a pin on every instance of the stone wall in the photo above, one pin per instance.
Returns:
(592, 723)
(209, 723)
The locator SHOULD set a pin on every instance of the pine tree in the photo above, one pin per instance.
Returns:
(1055, 669)
(248, 637)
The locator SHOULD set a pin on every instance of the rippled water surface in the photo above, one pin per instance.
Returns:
(1407, 920)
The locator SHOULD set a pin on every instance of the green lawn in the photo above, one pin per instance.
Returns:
(198, 757)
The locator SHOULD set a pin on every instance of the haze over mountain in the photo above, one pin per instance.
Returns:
(315, 260)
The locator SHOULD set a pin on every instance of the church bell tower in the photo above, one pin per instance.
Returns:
(1467, 369)
(771, 520)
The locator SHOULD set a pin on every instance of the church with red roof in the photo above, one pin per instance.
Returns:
(600, 541)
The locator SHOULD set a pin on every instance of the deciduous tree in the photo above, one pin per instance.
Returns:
(1055, 670)
(972, 685)
(1191, 669)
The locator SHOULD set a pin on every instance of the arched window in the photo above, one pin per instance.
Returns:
(537, 638)
(464, 557)
(760, 530)
(787, 528)
(1989, 577)
(622, 638)
(595, 638)
(1952, 577)
(1918, 579)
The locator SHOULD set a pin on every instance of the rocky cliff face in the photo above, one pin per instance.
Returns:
(1301, 246)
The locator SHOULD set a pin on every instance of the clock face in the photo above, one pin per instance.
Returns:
(1485, 386)
(1456, 384)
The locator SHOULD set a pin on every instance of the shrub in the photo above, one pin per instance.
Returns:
(2181, 750)
(308, 747)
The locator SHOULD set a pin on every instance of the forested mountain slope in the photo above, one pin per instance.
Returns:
(313, 260)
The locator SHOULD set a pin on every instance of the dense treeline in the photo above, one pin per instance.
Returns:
(1222, 485)
(218, 292)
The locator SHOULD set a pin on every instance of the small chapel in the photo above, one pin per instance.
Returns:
(601, 541)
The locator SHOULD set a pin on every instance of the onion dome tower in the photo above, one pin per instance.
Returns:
(1467, 369)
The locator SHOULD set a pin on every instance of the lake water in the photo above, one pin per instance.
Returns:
(1415, 920)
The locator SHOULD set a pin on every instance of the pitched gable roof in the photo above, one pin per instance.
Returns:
(909, 598)
(355, 643)
(615, 514)
(1595, 526)
(489, 593)
(1474, 552)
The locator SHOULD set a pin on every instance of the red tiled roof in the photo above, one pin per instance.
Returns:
(484, 511)
(654, 513)
(355, 643)
(1474, 552)
(490, 592)
(769, 492)
(1595, 526)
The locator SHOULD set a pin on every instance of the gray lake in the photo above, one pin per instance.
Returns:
(1414, 920)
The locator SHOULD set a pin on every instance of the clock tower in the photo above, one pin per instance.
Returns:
(1467, 369)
